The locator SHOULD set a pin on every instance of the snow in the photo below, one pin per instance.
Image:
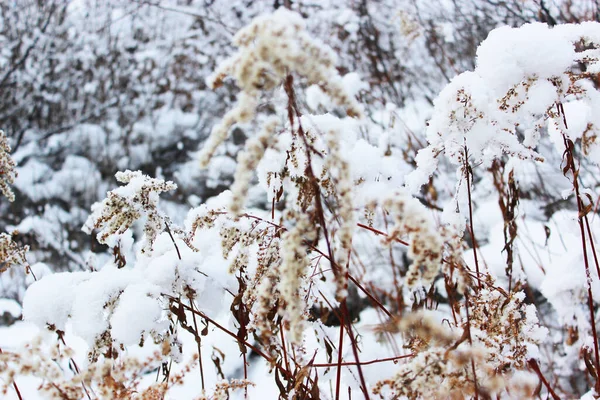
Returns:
(50, 300)
(136, 313)
(502, 121)
(508, 55)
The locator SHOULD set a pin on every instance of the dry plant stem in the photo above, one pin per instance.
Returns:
(589, 231)
(284, 371)
(398, 288)
(536, 368)
(61, 337)
(173, 240)
(378, 232)
(471, 343)
(568, 155)
(452, 301)
(344, 317)
(339, 362)
(283, 346)
(338, 379)
(361, 376)
(245, 374)
(468, 176)
(197, 339)
(313, 248)
(293, 111)
(233, 335)
(352, 364)
(370, 296)
(359, 285)
(508, 198)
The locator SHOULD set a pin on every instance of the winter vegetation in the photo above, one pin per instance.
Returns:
(299, 200)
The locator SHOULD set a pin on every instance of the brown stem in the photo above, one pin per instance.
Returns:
(370, 362)
(468, 176)
(535, 367)
(283, 346)
(338, 379)
(363, 383)
(230, 333)
(198, 343)
(570, 160)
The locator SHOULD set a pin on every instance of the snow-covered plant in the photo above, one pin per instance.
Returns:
(123, 206)
(528, 82)
(524, 77)
(11, 253)
(109, 378)
(487, 353)
(271, 48)
(331, 266)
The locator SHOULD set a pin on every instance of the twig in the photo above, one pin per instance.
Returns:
(468, 176)
(535, 367)
(198, 343)
(370, 362)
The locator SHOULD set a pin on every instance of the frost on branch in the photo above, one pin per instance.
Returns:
(124, 205)
(7, 168)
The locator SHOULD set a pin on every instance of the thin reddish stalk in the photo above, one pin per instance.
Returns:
(337, 270)
(62, 339)
(468, 176)
(395, 273)
(568, 155)
(283, 346)
(370, 296)
(589, 231)
(245, 374)
(233, 335)
(338, 377)
(197, 339)
(378, 232)
(535, 367)
(345, 323)
(363, 383)
(370, 362)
